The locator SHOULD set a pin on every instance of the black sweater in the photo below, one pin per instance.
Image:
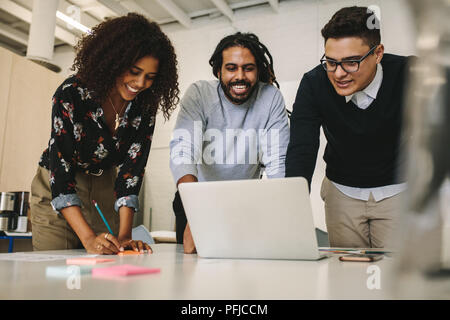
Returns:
(362, 145)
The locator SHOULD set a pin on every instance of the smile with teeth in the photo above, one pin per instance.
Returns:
(132, 89)
(239, 88)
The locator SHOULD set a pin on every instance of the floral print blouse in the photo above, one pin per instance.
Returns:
(81, 141)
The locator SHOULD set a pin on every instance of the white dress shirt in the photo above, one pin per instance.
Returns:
(363, 99)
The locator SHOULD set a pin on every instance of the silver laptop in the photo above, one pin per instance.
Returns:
(251, 219)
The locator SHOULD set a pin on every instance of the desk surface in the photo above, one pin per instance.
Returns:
(190, 277)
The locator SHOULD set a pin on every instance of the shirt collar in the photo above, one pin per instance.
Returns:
(372, 89)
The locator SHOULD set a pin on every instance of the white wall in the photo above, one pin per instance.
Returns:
(294, 40)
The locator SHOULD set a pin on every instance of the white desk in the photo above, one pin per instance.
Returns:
(189, 277)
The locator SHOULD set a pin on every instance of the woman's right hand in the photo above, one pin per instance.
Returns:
(104, 243)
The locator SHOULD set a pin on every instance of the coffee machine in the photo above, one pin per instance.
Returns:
(13, 211)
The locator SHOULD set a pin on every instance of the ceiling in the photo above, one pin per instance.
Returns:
(16, 15)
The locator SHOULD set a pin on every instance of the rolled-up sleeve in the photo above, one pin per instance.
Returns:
(65, 200)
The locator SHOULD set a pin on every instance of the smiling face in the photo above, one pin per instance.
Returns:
(138, 78)
(238, 74)
(352, 48)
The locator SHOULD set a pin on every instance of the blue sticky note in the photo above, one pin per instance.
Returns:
(67, 271)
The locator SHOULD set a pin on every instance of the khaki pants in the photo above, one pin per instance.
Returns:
(51, 230)
(357, 223)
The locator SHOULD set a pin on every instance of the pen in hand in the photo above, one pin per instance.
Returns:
(110, 231)
(103, 218)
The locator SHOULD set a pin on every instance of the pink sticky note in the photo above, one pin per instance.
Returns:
(123, 270)
(88, 260)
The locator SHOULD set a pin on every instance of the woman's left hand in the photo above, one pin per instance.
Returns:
(136, 245)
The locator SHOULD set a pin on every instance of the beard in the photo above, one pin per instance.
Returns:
(237, 99)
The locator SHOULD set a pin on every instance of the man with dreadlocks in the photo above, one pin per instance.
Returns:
(228, 129)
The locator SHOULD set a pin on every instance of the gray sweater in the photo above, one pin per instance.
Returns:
(215, 140)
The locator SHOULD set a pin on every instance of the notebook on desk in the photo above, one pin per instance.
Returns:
(251, 219)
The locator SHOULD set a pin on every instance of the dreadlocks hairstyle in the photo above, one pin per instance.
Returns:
(353, 22)
(264, 61)
(114, 46)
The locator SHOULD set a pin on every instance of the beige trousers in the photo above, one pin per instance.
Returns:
(51, 230)
(358, 223)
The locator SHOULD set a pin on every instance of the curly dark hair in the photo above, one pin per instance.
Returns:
(353, 22)
(264, 61)
(114, 46)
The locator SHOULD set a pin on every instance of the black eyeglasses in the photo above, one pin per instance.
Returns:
(331, 65)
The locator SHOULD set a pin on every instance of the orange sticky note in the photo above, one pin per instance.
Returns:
(128, 252)
(88, 260)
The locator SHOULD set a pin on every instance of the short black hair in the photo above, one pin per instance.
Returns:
(354, 21)
(264, 61)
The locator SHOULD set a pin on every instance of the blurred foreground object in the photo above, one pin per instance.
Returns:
(422, 266)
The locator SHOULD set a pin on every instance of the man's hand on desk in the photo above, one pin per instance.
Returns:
(187, 178)
(188, 241)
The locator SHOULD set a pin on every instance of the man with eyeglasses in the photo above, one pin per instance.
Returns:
(356, 95)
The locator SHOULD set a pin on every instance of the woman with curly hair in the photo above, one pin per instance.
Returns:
(103, 118)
